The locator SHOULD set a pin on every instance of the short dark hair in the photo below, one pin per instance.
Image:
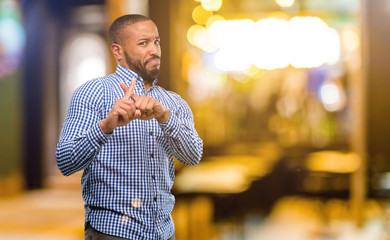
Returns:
(115, 33)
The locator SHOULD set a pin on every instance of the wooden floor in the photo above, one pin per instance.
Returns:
(55, 212)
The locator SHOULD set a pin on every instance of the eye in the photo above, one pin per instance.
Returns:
(142, 43)
(157, 41)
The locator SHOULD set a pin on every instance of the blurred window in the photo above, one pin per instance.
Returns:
(84, 57)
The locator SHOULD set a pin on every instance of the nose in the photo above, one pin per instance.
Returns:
(155, 49)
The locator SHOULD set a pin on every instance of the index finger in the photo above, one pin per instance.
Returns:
(128, 90)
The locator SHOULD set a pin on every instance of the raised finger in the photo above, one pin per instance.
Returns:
(128, 90)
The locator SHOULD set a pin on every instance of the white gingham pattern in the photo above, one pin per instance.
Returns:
(128, 175)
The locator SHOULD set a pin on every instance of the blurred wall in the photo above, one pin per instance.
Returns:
(377, 70)
(12, 40)
(10, 133)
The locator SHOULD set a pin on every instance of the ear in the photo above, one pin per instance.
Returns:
(117, 51)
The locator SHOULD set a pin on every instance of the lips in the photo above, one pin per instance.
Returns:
(153, 61)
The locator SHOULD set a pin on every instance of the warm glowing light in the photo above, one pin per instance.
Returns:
(285, 3)
(232, 61)
(222, 174)
(332, 161)
(311, 42)
(202, 40)
(330, 93)
(233, 39)
(303, 42)
(252, 71)
(200, 15)
(211, 5)
(350, 40)
(191, 32)
(201, 37)
(333, 46)
(331, 96)
(213, 19)
(203, 81)
(270, 45)
(198, 36)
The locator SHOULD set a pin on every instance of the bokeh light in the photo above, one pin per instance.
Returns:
(331, 96)
(12, 37)
(214, 18)
(333, 161)
(285, 3)
(192, 31)
(211, 5)
(234, 41)
(271, 43)
(270, 47)
(200, 15)
(312, 43)
(350, 40)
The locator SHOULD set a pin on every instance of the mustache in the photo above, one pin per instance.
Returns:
(152, 58)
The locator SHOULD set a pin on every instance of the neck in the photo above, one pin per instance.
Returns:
(147, 85)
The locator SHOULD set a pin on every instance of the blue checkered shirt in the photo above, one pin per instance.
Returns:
(128, 175)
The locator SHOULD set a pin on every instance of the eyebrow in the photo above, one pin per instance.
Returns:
(147, 39)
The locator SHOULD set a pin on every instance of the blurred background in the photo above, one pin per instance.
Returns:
(291, 98)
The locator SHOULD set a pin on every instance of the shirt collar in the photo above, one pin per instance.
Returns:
(128, 74)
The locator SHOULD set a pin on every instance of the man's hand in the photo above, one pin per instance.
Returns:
(123, 111)
(147, 106)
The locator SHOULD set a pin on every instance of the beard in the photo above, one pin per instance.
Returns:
(138, 67)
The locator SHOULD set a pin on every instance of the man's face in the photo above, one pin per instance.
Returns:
(142, 50)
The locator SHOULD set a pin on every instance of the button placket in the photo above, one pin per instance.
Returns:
(152, 142)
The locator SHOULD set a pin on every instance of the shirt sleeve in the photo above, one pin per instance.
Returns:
(182, 137)
(81, 136)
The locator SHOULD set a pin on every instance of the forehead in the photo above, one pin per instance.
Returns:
(140, 30)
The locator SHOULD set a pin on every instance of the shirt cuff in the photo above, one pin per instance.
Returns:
(172, 126)
(96, 136)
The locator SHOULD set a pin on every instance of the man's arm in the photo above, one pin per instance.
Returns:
(81, 136)
(84, 132)
(178, 126)
(182, 137)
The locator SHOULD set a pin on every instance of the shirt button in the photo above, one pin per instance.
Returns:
(154, 177)
(151, 155)
(170, 130)
(155, 199)
(151, 133)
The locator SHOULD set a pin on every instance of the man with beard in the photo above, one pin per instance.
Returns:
(123, 131)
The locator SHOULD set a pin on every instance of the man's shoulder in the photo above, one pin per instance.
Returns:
(173, 99)
(95, 85)
(168, 93)
(93, 90)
